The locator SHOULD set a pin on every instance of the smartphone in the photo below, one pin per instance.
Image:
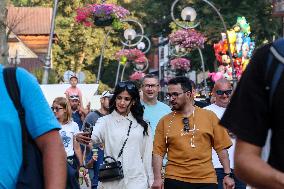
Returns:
(88, 128)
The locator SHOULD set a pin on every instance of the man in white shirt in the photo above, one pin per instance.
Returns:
(222, 92)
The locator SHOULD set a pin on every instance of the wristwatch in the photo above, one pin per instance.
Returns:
(231, 175)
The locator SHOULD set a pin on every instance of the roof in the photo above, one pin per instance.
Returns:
(29, 20)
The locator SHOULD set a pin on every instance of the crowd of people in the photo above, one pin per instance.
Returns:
(134, 141)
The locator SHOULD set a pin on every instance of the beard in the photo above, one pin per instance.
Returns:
(74, 107)
(175, 107)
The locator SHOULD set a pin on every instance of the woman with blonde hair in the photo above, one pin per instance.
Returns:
(62, 112)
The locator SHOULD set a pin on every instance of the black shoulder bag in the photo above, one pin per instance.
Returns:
(110, 171)
(31, 172)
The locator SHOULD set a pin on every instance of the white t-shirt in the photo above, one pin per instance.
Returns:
(219, 111)
(67, 135)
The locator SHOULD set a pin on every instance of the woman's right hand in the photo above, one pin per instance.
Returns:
(83, 138)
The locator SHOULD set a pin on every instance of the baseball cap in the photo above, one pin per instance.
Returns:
(106, 94)
(74, 97)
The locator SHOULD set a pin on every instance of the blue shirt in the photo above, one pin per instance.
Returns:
(153, 113)
(77, 118)
(39, 120)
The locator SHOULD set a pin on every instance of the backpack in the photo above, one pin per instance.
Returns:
(31, 171)
(274, 69)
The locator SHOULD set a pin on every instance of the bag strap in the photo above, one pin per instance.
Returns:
(12, 87)
(121, 150)
(273, 73)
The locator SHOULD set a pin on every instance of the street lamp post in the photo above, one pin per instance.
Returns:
(189, 15)
(102, 56)
(129, 35)
(48, 56)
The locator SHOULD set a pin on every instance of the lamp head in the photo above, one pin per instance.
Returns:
(141, 45)
(188, 14)
(130, 34)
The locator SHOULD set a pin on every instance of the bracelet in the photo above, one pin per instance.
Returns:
(231, 175)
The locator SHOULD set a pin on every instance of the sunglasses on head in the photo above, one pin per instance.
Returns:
(227, 92)
(127, 85)
(74, 96)
(56, 109)
(185, 122)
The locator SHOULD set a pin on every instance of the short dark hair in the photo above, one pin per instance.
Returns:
(183, 81)
(149, 76)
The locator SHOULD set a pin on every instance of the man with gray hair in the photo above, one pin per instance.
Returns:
(154, 110)
(221, 92)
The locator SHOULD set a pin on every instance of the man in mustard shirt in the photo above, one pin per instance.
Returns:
(187, 135)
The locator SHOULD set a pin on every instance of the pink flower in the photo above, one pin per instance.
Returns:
(136, 76)
(187, 38)
(85, 15)
(180, 63)
(135, 55)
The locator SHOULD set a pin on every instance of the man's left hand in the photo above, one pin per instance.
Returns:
(228, 183)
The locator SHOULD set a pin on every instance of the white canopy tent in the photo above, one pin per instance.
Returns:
(51, 91)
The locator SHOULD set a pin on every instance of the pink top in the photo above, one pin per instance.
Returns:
(73, 91)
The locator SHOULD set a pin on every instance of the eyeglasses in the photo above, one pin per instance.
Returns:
(127, 85)
(174, 94)
(56, 109)
(186, 127)
(150, 85)
(227, 92)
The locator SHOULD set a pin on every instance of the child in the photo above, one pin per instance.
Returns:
(73, 90)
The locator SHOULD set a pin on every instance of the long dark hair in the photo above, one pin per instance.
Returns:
(136, 109)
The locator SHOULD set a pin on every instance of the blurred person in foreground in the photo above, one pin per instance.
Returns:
(249, 116)
(41, 125)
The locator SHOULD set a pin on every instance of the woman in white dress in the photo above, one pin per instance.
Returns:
(112, 129)
(62, 112)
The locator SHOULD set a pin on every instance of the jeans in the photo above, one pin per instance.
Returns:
(72, 174)
(176, 184)
(94, 172)
(220, 176)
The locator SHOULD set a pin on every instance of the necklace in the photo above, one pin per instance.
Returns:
(192, 131)
(171, 121)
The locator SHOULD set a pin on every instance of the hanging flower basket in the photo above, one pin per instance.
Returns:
(134, 55)
(103, 21)
(101, 15)
(136, 76)
(187, 38)
(180, 64)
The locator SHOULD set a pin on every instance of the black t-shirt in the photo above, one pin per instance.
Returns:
(248, 115)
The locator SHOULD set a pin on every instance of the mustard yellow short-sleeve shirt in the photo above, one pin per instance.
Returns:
(185, 163)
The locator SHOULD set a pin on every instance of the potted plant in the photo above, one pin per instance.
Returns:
(180, 65)
(101, 15)
(187, 39)
(134, 55)
(136, 76)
